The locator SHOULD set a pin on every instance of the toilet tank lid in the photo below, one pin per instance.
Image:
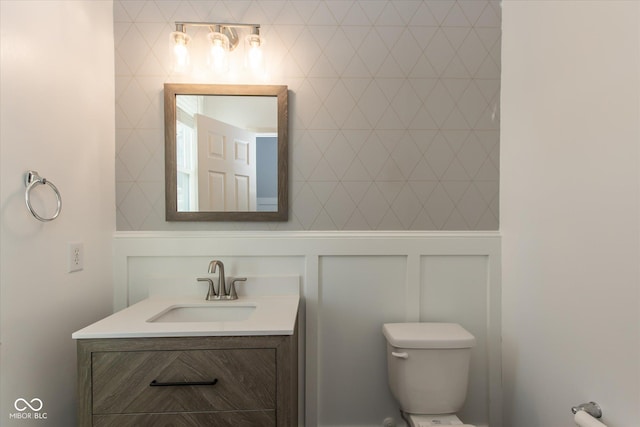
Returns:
(428, 335)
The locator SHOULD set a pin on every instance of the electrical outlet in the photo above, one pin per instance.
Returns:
(76, 257)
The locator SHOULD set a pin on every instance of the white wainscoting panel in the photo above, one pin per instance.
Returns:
(351, 283)
(454, 289)
(357, 295)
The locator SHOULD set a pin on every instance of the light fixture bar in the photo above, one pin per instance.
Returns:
(210, 24)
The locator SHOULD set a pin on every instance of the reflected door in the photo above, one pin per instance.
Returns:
(226, 166)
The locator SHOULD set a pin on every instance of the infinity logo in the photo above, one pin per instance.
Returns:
(21, 404)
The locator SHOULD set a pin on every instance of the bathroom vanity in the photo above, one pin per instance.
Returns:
(187, 362)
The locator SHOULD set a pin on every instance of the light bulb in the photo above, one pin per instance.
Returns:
(179, 42)
(219, 46)
(254, 54)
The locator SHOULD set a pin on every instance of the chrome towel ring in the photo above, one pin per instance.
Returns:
(31, 179)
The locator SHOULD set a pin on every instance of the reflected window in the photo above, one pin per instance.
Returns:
(187, 173)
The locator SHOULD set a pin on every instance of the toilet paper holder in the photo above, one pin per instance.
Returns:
(591, 408)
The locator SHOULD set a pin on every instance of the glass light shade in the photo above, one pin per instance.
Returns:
(254, 59)
(180, 51)
(218, 50)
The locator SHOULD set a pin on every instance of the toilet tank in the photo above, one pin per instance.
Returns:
(428, 366)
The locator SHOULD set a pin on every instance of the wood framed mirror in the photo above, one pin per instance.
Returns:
(226, 152)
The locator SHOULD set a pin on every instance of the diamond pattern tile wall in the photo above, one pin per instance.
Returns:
(394, 113)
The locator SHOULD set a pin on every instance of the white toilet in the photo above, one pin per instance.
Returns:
(428, 369)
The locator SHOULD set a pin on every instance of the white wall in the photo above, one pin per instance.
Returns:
(57, 117)
(570, 211)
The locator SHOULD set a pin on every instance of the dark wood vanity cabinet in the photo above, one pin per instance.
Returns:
(189, 381)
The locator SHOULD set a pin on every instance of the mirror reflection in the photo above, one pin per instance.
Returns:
(226, 152)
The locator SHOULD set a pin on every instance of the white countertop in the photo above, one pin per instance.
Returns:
(273, 315)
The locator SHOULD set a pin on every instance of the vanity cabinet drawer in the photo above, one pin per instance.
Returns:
(217, 419)
(245, 379)
(257, 382)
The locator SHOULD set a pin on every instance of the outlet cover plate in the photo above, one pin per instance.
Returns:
(76, 257)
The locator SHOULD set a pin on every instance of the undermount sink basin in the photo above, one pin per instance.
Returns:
(204, 313)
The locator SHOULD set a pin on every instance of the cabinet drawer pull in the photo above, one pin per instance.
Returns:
(156, 383)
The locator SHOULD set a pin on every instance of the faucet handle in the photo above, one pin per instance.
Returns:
(211, 293)
(232, 288)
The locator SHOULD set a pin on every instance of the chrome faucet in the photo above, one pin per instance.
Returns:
(222, 287)
(222, 293)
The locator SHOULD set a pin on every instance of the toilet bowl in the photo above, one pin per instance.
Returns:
(428, 370)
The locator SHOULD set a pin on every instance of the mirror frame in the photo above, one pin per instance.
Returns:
(171, 90)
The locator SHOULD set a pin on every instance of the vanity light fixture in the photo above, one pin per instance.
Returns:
(221, 41)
